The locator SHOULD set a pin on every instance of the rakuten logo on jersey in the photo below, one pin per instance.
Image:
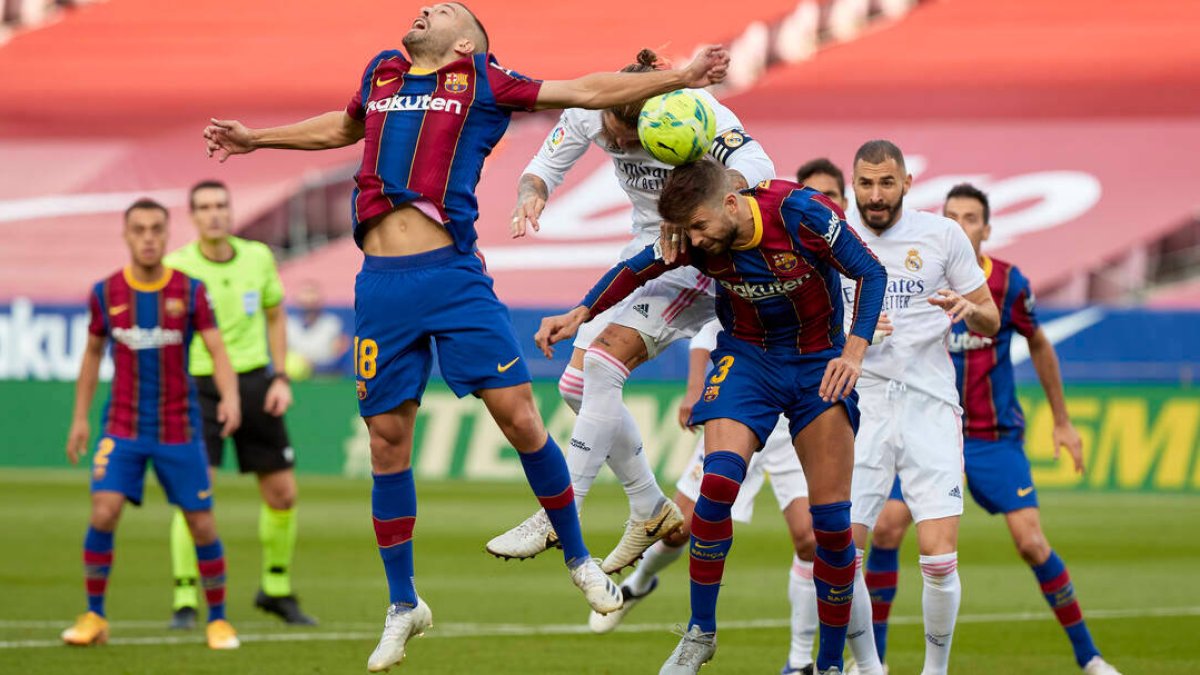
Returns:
(965, 342)
(410, 102)
(760, 291)
(147, 338)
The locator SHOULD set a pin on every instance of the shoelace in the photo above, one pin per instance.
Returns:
(534, 524)
(689, 649)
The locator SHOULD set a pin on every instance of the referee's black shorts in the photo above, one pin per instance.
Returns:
(262, 441)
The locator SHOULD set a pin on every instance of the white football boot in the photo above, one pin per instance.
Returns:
(601, 593)
(1098, 666)
(640, 535)
(534, 535)
(606, 623)
(401, 624)
(694, 650)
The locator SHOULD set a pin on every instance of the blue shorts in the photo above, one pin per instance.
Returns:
(119, 465)
(754, 387)
(405, 305)
(998, 475)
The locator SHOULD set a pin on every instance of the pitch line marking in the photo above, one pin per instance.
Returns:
(461, 630)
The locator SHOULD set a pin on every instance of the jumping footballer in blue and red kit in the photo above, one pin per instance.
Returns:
(150, 313)
(777, 252)
(429, 116)
(998, 471)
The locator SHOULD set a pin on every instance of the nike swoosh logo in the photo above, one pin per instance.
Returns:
(834, 591)
(657, 526)
(510, 364)
(113, 311)
(1021, 492)
(380, 83)
(1058, 330)
(204, 494)
(699, 545)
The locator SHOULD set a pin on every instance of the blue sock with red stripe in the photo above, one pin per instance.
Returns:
(394, 512)
(97, 561)
(833, 575)
(210, 559)
(712, 534)
(1060, 595)
(546, 471)
(882, 573)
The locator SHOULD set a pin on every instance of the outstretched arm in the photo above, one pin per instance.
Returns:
(334, 129)
(612, 288)
(604, 90)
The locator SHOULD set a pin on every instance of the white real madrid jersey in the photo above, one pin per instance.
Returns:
(923, 253)
(640, 175)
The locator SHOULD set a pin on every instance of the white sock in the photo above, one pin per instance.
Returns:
(860, 634)
(570, 387)
(802, 593)
(628, 462)
(605, 427)
(939, 601)
(657, 558)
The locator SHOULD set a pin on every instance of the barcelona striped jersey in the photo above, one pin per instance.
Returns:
(782, 291)
(427, 134)
(983, 364)
(151, 326)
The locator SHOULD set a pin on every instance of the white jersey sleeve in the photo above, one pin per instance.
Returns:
(567, 142)
(962, 265)
(733, 147)
(706, 337)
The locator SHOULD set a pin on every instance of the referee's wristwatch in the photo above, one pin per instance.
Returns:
(281, 376)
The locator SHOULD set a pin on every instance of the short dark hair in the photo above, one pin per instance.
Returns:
(879, 151)
(628, 113)
(968, 191)
(208, 184)
(148, 204)
(688, 187)
(483, 48)
(821, 165)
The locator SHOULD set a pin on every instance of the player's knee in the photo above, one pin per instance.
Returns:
(1032, 547)
(202, 525)
(105, 516)
(279, 489)
(805, 544)
(523, 428)
(888, 534)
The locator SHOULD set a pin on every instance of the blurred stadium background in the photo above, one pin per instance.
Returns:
(1081, 119)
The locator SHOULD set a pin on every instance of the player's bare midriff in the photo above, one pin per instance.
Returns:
(404, 231)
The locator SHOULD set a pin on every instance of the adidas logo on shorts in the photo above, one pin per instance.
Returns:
(643, 309)
(955, 492)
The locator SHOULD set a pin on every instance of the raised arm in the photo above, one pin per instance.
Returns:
(333, 129)
(566, 143)
(604, 90)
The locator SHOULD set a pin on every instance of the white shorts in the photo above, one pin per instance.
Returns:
(776, 461)
(672, 307)
(907, 433)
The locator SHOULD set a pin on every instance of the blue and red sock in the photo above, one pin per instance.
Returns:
(546, 471)
(210, 558)
(882, 573)
(394, 512)
(97, 562)
(712, 533)
(1060, 595)
(833, 575)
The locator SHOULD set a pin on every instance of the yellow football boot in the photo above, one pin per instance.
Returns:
(89, 629)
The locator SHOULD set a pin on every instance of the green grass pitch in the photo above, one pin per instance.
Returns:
(1133, 558)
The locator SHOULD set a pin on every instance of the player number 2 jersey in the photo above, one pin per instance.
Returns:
(984, 365)
(153, 398)
(923, 253)
(427, 134)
